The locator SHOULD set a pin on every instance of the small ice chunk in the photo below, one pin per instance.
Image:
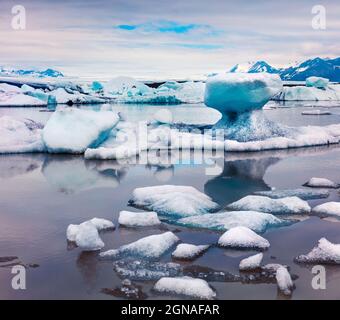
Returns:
(87, 238)
(315, 113)
(153, 247)
(170, 200)
(138, 219)
(102, 224)
(321, 183)
(317, 82)
(256, 221)
(196, 288)
(243, 238)
(189, 251)
(328, 208)
(324, 252)
(284, 281)
(73, 130)
(290, 205)
(240, 92)
(304, 194)
(251, 263)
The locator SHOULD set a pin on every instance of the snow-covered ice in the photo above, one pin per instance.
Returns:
(289, 205)
(73, 130)
(196, 288)
(328, 208)
(317, 82)
(189, 251)
(256, 221)
(304, 194)
(19, 136)
(321, 183)
(138, 219)
(324, 252)
(316, 112)
(171, 200)
(152, 247)
(251, 263)
(240, 92)
(284, 281)
(243, 238)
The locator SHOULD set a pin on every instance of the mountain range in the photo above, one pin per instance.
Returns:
(31, 73)
(326, 68)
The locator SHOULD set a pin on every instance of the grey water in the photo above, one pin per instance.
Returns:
(41, 194)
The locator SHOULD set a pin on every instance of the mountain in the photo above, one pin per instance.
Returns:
(327, 68)
(31, 73)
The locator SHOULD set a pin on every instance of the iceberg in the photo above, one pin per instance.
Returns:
(170, 200)
(321, 183)
(251, 263)
(240, 92)
(303, 194)
(188, 251)
(151, 247)
(187, 286)
(86, 235)
(328, 208)
(325, 252)
(61, 96)
(290, 205)
(71, 130)
(138, 219)
(243, 238)
(20, 136)
(256, 221)
(284, 281)
(317, 82)
(141, 270)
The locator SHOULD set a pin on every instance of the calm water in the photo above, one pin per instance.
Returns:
(40, 195)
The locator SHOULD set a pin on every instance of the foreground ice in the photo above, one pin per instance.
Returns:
(256, 221)
(141, 270)
(321, 183)
(73, 130)
(290, 205)
(153, 246)
(243, 238)
(237, 93)
(196, 288)
(86, 235)
(329, 208)
(251, 263)
(20, 136)
(317, 82)
(189, 251)
(303, 194)
(170, 200)
(284, 281)
(138, 219)
(324, 252)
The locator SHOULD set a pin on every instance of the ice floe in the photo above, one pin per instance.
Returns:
(243, 238)
(317, 82)
(152, 247)
(321, 183)
(189, 251)
(73, 130)
(256, 221)
(304, 194)
(240, 92)
(289, 205)
(86, 235)
(171, 200)
(196, 288)
(328, 208)
(324, 252)
(138, 219)
(284, 281)
(19, 136)
(251, 263)
(315, 113)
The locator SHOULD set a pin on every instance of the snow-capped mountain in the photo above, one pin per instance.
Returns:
(31, 73)
(327, 68)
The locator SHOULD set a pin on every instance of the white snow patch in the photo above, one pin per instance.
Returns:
(284, 280)
(251, 263)
(328, 208)
(138, 219)
(321, 183)
(189, 251)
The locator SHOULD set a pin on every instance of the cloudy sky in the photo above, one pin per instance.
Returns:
(159, 39)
